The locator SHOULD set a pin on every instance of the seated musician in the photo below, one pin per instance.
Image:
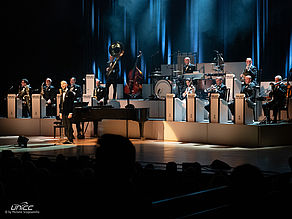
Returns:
(248, 88)
(251, 70)
(219, 88)
(99, 93)
(278, 99)
(24, 94)
(188, 67)
(190, 89)
(49, 93)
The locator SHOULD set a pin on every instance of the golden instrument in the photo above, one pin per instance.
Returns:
(116, 50)
(24, 95)
(42, 89)
(242, 78)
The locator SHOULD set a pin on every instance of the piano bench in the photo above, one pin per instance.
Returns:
(60, 127)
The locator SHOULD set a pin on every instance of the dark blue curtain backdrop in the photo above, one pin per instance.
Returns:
(260, 29)
(64, 38)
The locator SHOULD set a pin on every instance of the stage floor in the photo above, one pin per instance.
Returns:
(273, 158)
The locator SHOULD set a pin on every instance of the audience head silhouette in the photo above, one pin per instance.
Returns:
(116, 153)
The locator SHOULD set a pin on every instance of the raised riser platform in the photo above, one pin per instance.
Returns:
(34, 127)
(207, 133)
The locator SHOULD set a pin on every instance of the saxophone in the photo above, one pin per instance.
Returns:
(27, 97)
(42, 90)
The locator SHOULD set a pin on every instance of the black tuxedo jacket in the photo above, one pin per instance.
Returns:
(67, 105)
(50, 93)
(189, 68)
(252, 72)
(77, 91)
(113, 77)
(99, 92)
(222, 91)
(249, 91)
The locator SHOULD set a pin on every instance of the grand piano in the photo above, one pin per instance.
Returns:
(94, 114)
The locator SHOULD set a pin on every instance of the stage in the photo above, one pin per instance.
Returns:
(157, 129)
(159, 152)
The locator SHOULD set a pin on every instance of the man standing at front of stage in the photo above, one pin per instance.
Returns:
(66, 111)
(77, 91)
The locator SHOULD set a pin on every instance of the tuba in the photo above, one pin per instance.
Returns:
(116, 50)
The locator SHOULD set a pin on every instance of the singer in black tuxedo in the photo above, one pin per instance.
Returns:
(77, 91)
(66, 111)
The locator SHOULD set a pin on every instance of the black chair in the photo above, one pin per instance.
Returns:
(285, 107)
(58, 125)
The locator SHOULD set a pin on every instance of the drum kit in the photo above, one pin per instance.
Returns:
(164, 85)
(175, 83)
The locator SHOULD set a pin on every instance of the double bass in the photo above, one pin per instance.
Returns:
(133, 87)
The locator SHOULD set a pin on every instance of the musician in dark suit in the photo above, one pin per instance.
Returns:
(251, 70)
(24, 94)
(99, 93)
(188, 67)
(66, 111)
(190, 88)
(49, 93)
(278, 99)
(248, 88)
(112, 76)
(219, 88)
(77, 91)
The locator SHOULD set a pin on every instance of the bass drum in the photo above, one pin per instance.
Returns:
(162, 87)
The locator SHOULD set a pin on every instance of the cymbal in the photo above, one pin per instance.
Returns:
(156, 72)
(156, 75)
(177, 71)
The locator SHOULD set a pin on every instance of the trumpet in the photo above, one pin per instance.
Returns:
(212, 88)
